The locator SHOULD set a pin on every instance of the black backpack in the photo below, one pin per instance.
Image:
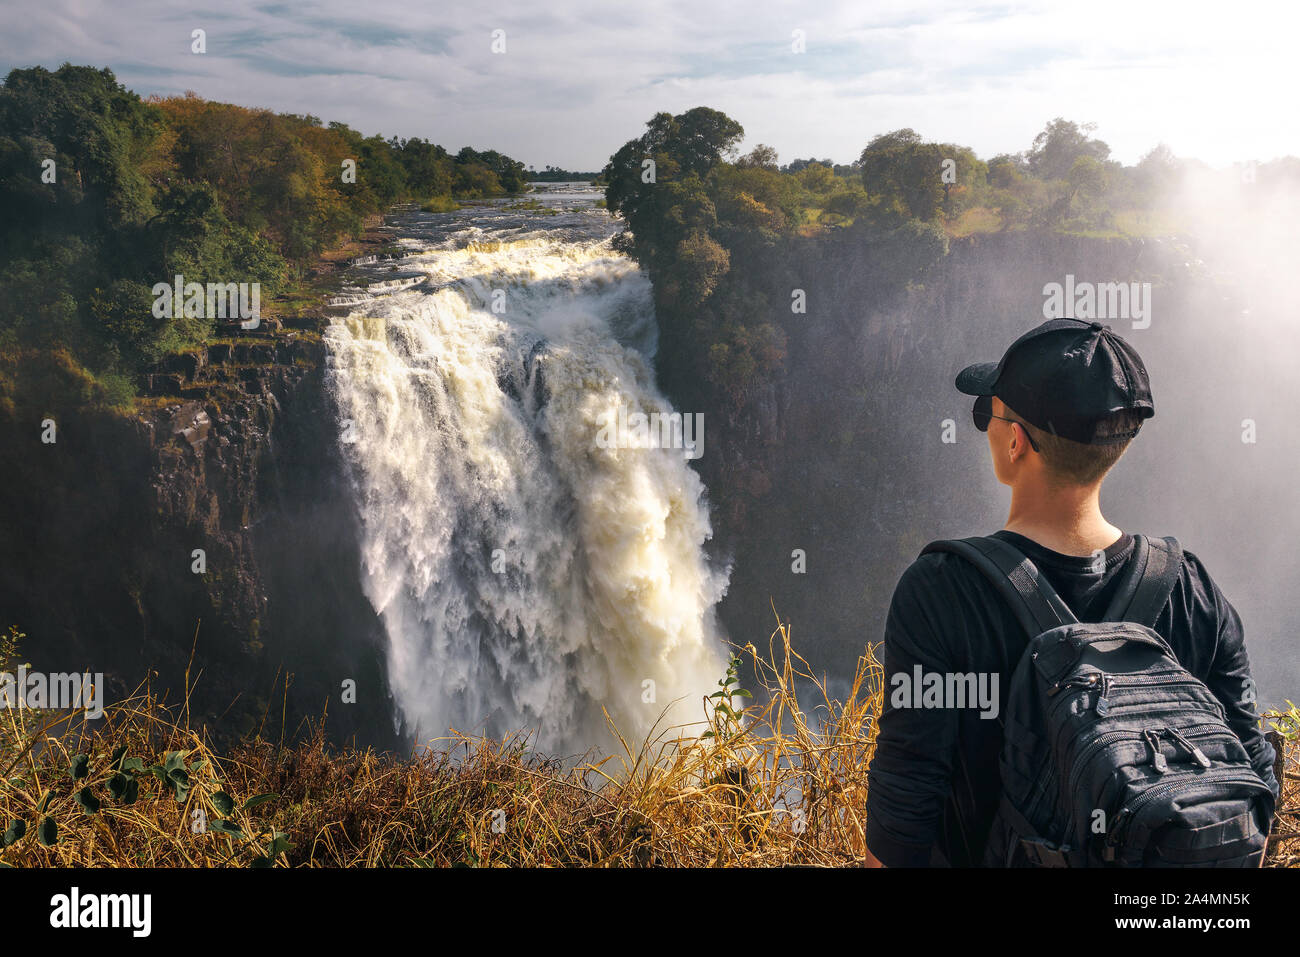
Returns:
(1113, 754)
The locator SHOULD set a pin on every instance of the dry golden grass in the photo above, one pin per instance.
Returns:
(1284, 843)
(781, 784)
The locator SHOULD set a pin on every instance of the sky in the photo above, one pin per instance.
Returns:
(576, 80)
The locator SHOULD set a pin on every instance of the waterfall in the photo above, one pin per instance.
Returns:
(526, 576)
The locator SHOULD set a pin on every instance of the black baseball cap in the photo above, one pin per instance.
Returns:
(1065, 375)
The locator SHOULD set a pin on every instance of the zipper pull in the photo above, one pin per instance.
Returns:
(1158, 760)
(1074, 681)
(1102, 707)
(1197, 754)
(1111, 850)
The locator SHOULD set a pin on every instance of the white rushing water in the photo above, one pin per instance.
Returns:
(526, 576)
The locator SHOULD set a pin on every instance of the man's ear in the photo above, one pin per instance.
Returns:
(1022, 438)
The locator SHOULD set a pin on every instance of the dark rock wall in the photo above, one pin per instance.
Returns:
(237, 457)
(840, 454)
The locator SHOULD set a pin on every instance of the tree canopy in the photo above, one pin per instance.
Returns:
(107, 194)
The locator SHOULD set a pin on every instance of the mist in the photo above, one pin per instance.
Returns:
(864, 478)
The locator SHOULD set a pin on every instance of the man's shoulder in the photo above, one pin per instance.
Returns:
(933, 572)
(1200, 586)
(1195, 567)
(942, 565)
(941, 603)
(1193, 574)
(931, 563)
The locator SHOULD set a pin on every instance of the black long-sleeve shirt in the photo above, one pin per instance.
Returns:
(934, 782)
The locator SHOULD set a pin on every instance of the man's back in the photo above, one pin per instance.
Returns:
(934, 781)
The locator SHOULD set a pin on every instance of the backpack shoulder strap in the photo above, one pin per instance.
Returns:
(1148, 580)
(1035, 603)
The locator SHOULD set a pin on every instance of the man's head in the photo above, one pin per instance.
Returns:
(1062, 406)
(1021, 450)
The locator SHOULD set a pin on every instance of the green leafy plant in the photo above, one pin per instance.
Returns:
(279, 845)
(1285, 723)
(726, 717)
(87, 801)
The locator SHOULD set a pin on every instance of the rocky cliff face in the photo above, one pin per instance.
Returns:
(834, 455)
(217, 522)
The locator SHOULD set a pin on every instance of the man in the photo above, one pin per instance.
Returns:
(1059, 410)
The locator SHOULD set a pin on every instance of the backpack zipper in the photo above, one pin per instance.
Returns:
(1151, 735)
(1158, 759)
(1102, 681)
(1094, 747)
(1126, 815)
(1103, 705)
(1196, 753)
(1074, 681)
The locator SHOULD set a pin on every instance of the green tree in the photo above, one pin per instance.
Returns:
(1156, 173)
(430, 170)
(817, 177)
(509, 175)
(760, 157)
(1087, 178)
(474, 180)
(847, 204)
(904, 174)
(1061, 143)
(682, 148)
(97, 133)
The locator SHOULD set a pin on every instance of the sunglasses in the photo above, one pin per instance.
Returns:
(982, 413)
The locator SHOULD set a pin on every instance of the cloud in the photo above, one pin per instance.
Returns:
(578, 79)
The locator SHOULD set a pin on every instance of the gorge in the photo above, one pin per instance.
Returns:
(408, 492)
